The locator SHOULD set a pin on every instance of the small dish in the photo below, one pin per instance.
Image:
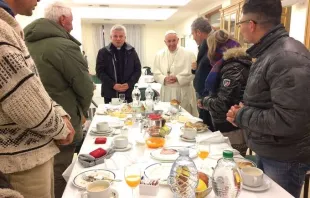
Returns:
(186, 139)
(129, 146)
(266, 185)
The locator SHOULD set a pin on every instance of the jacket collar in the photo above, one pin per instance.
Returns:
(266, 41)
(9, 19)
(203, 50)
(127, 48)
(6, 7)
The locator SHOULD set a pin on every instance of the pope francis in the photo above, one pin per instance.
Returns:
(172, 69)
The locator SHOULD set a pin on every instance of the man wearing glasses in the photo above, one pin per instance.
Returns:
(276, 109)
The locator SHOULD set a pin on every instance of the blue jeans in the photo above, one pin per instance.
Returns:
(289, 175)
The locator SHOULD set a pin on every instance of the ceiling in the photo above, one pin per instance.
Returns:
(138, 11)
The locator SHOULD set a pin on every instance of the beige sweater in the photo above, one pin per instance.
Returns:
(29, 120)
(8, 193)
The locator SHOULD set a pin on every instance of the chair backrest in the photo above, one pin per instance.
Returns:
(142, 90)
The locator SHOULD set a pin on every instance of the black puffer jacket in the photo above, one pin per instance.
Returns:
(276, 115)
(234, 75)
(107, 72)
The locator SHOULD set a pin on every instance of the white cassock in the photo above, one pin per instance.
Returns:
(177, 63)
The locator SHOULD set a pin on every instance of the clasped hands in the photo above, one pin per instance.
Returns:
(232, 113)
(69, 139)
(171, 79)
(121, 87)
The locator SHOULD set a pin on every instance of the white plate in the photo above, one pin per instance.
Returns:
(170, 158)
(159, 171)
(198, 131)
(266, 185)
(80, 183)
(186, 139)
(94, 130)
(129, 146)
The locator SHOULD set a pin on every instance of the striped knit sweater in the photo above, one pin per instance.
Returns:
(29, 120)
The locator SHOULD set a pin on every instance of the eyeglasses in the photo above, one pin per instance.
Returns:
(245, 21)
(250, 20)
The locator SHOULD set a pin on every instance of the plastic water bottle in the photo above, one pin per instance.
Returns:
(149, 93)
(183, 178)
(136, 96)
(226, 180)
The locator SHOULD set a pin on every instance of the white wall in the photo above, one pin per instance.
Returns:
(154, 36)
(298, 20)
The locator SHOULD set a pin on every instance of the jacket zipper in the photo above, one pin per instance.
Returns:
(115, 75)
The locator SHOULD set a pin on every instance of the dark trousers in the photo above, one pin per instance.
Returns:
(108, 100)
(61, 162)
(289, 175)
(206, 117)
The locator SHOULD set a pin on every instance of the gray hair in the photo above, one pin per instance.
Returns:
(56, 10)
(202, 24)
(118, 27)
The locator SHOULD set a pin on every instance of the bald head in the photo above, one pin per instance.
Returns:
(171, 40)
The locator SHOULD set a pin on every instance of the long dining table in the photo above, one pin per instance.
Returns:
(140, 154)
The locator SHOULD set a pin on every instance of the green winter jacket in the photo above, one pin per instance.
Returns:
(62, 68)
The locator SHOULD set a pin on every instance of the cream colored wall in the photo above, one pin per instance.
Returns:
(298, 21)
(153, 41)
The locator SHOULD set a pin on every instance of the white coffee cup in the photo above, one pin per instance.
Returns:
(189, 133)
(98, 189)
(252, 176)
(120, 141)
(115, 101)
(102, 126)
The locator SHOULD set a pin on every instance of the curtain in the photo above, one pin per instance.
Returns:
(93, 40)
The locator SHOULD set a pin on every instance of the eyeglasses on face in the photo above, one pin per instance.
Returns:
(245, 21)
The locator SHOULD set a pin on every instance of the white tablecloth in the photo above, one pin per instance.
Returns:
(141, 154)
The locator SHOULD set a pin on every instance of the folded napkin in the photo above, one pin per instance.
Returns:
(214, 138)
(88, 160)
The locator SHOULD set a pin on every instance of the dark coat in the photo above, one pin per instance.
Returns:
(276, 115)
(107, 73)
(203, 68)
(233, 78)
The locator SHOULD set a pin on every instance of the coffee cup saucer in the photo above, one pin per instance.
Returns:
(265, 186)
(187, 139)
(129, 146)
(110, 130)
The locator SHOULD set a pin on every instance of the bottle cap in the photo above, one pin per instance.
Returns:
(228, 154)
(184, 152)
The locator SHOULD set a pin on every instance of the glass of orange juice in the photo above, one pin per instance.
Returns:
(132, 176)
(203, 150)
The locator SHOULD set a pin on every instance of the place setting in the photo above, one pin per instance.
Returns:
(254, 179)
(120, 143)
(105, 129)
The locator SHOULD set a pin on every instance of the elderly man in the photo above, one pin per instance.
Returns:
(118, 66)
(201, 29)
(172, 69)
(64, 74)
(276, 110)
(30, 121)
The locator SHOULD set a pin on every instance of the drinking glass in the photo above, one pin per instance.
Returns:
(203, 150)
(132, 174)
(122, 98)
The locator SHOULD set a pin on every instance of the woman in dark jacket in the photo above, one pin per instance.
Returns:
(226, 83)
